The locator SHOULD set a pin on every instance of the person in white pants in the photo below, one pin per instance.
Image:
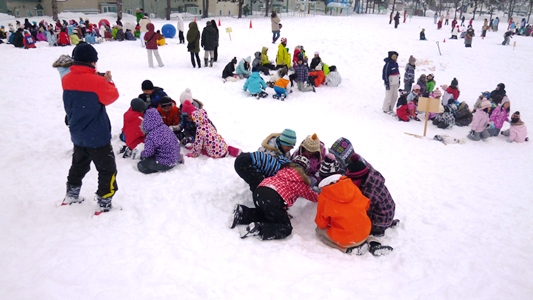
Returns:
(150, 38)
(391, 78)
(143, 29)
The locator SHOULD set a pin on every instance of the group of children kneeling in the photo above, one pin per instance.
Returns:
(307, 77)
(354, 205)
(154, 127)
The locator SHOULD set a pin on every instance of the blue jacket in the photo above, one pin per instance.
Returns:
(155, 97)
(85, 96)
(241, 69)
(267, 164)
(390, 68)
(255, 84)
(302, 72)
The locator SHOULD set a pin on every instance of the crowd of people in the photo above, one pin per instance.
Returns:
(487, 117)
(354, 204)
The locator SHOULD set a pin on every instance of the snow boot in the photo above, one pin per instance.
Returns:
(72, 195)
(211, 62)
(282, 98)
(236, 217)
(358, 250)
(275, 96)
(377, 249)
(205, 60)
(253, 229)
(104, 205)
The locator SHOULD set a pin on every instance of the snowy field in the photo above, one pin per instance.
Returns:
(465, 210)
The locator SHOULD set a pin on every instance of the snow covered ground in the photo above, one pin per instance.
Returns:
(465, 210)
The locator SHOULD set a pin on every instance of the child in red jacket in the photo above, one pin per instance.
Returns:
(132, 134)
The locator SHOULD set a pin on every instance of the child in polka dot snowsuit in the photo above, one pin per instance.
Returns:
(207, 141)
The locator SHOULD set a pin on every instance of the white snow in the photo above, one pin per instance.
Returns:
(465, 210)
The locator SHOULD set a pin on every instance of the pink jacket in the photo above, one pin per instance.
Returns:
(290, 185)
(499, 115)
(518, 133)
(207, 140)
(479, 121)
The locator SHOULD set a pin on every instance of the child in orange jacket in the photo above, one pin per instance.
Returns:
(280, 87)
(341, 218)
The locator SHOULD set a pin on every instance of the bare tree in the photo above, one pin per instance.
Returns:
(530, 3)
(54, 10)
(455, 6)
(167, 11)
(267, 7)
(119, 9)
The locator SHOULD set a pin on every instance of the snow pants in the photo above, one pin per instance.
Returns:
(391, 95)
(157, 57)
(104, 160)
(244, 168)
(150, 165)
(270, 212)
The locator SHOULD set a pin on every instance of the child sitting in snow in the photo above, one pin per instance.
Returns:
(161, 148)
(333, 78)
(446, 119)
(243, 68)
(228, 74)
(160, 39)
(280, 87)
(302, 73)
(372, 185)
(170, 113)
(314, 150)
(402, 109)
(518, 130)
(423, 35)
(255, 166)
(463, 115)
(255, 85)
(499, 115)
(480, 122)
(207, 140)
(132, 134)
(436, 94)
(342, 220)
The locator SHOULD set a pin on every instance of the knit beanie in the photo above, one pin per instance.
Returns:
(412, 60)
(502, 86)
(288, 138)
(515, 117)
(455, 83)
(329, 166)
(165, 100)
(186, 95)
(138, 104)
(311, 144)
(302, 161)
(357, 169)
(342, 148)
(147, 85)
(84, 52)
(485, 104)
(187, 107)
(437, 93)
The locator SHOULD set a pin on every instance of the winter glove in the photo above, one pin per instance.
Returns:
(175, 128)
(136, 153)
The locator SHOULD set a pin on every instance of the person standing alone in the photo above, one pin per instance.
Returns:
(276, 26)
(391, 78)
(86, 93)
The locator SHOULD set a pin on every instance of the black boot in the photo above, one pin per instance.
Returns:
(211, 62)
(192, 61)
(198, 61)
(205, 60)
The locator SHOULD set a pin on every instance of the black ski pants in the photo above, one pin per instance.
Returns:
(243, 167)
(104, 161)
(270, 212)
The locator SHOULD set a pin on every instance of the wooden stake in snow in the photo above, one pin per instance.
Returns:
(228, 30)
(438, 46)
(427, 105)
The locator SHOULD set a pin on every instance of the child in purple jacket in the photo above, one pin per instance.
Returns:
(161, 147)
(499, 115)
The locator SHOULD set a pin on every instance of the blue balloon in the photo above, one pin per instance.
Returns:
(168, 31)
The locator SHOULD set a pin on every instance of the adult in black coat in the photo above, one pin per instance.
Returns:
(397, 19)
(209, 43)
(214, 25)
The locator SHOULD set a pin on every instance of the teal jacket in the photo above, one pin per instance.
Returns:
(254, 84)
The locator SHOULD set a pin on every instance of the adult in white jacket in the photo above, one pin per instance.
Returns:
(143, 29)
